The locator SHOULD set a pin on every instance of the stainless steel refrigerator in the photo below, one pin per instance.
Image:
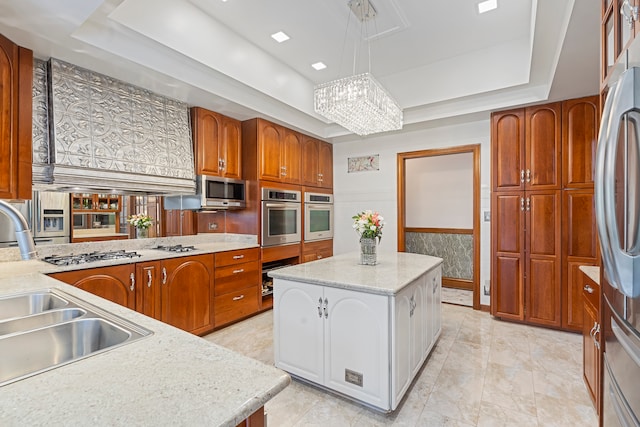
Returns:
(617, 194)
(48, 215)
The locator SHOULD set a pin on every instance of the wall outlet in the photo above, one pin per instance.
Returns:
(213, 226)
(486, 287)
(487, 216)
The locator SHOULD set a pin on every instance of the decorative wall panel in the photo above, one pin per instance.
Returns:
(40, 128)
(126, 137)
(455, 249)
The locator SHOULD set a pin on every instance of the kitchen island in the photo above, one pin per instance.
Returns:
(168, 378)
(361, 331)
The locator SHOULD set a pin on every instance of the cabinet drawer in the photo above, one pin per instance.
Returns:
(592, 297)
(235, 305)
(236, 277)
(237, 257)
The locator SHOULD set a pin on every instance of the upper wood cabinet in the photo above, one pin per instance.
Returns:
(16, 80)
(526, 148)
(218, 146)
(271, 152)
(543, 147)
(317, 163)
(180, 222)
(116, 283)
(617, 33)
(580, 121)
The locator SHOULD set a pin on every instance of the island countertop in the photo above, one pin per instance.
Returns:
(168, 378)
(394, 271)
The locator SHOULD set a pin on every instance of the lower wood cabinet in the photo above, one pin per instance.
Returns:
(116, 283)
(591, 340)
(237, 287)
(312, 251)
(177, 291)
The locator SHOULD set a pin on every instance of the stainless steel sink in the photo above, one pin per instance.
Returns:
(35, 321)
(35, 343)
(30, 303)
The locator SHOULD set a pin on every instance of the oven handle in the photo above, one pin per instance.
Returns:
(325, 206)
(277, 205)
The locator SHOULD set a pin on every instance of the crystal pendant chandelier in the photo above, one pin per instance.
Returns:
(358, 103)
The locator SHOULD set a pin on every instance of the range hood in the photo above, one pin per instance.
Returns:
(93, 133)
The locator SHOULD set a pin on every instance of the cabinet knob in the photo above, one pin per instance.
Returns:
(588, 288)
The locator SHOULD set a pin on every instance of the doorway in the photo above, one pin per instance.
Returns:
(439, 211)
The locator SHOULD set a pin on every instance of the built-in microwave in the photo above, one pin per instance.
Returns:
(281, 217)
(318, 216)
(221, 193)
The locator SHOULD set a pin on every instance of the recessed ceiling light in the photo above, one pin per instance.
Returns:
(487, 5)
(280, 37)
(319, 66)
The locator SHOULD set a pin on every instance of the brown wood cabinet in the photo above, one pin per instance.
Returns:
(542, 225)
(312, 251)
(579, 248)
(237, 287)
(580, 122)
(271, 152)
(616, 36)
(115, 283)
(148, 289)
(16, 80)
(317, 163)
(180, 222)
(591, 339)
(187, 293)
(218, 144)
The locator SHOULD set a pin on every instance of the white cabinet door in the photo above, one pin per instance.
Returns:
(298, 329)
(419, 325)
(357, 345)
(401, 348)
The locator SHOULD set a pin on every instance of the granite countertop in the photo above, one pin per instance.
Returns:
(393, 272)
(593, 271)
(169, 378)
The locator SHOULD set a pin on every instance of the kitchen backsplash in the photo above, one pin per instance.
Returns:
(40, 128)
(455, 249)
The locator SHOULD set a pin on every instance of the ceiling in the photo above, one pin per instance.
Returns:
(438, 59)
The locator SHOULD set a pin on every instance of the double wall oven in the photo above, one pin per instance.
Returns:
(281, 217)
(318, 216)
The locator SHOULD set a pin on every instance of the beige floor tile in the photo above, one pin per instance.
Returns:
(510, 388)
(456, 394)
(497, 416)
(510, 351)
(560, 412)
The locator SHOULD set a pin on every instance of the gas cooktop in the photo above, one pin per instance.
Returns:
(89, 257)
(176, 248)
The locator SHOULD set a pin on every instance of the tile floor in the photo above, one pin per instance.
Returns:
(482, 372)
(457, 296)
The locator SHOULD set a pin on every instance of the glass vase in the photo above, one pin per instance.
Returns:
(368, 254)
(142, 233)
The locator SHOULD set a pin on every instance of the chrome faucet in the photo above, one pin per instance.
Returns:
(23, 234)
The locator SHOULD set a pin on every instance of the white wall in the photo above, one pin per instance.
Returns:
(377, 190)
(439, 191)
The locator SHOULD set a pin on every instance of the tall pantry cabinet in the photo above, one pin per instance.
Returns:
(531, 148)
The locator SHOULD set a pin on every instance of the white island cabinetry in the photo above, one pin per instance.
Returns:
(361, 331)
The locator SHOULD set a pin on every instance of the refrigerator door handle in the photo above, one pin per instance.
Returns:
(632, 349)
(624, 269)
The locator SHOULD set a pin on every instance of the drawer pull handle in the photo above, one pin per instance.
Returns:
(238, 256)
(588, 289)
(149, 278)
(133, 282)
(238, 298)
(164, 275)
(241, 270)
